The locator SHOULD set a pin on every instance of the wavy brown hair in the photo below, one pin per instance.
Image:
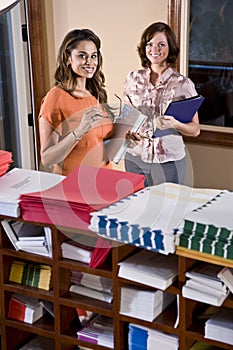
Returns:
(66, 78)
(148, 34)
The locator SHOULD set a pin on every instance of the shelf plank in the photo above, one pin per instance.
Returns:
(213, 259)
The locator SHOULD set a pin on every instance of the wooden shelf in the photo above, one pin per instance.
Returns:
(63, 328)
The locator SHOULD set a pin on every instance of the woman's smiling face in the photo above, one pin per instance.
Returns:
(84, 59)
(157, 49)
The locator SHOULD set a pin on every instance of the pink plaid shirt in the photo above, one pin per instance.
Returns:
(153, 101)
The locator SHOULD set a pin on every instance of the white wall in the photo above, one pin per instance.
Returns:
(119, 24)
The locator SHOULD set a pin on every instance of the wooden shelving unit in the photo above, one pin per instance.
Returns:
(63, 328)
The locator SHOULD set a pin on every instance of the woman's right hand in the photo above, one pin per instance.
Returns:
(90, 118)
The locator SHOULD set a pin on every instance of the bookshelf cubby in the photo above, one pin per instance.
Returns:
(62, 329)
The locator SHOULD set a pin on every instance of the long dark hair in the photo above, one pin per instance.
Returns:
(65, 76)
(148, 34)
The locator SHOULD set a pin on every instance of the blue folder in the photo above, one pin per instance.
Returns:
(183, 110)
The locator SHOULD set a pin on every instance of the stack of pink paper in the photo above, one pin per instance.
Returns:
(85, 190)
(5, 160)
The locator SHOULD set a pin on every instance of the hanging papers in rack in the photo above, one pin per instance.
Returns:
(150, 217)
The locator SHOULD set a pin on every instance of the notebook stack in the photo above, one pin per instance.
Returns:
(204, 285)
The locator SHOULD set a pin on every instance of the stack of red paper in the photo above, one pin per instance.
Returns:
(85, 190)
(70, 202)
(5, 160)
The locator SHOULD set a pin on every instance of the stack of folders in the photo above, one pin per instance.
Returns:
(204, 285)
(92, 286)
(25, 308)
(220, 326)
(150, 268)
(5, 161)
(143, 303)
(29, 237)
(79, 248)
(98, 331)
(31, 274)
(144, 338)
(84, 190)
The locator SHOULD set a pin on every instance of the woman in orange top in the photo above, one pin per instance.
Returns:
(73, 122)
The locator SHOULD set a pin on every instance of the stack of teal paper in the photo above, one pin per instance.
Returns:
(209, 228)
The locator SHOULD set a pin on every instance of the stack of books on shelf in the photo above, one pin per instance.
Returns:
(84, 190)
(18, 181)
(80, 248)
(150, 218)
(38, 342)
(144, 338)
(150, 268)
(93, 286)
(204, 285)
(31, 274)
(204, 231)
(29, 237)
(220, 326)
(143, 303)
(25, 308)
(98, 331)
(5, 161)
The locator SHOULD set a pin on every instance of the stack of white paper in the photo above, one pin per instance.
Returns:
(205, 286)
(29, 237)
(144, 304)
(150, 339)
(150, 218)
(96, 287)
(150, 268)
(20, 181)
(89, 280)
(220, 326)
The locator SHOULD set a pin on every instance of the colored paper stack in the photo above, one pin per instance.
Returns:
(33, 275)
(144, 338)
(83, 191)
(25, 308)
(150, 217)
(5, 161)
(209, 228)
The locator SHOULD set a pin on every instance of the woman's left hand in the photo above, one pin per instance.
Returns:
(166, 122)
